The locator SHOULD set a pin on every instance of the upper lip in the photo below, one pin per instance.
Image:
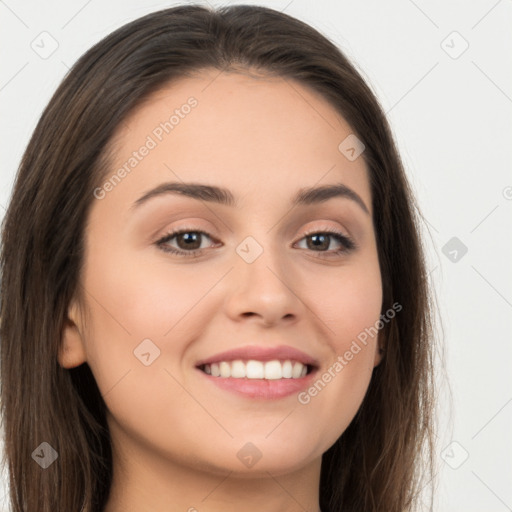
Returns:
(259, 353)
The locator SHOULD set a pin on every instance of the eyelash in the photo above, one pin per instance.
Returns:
(348, 245)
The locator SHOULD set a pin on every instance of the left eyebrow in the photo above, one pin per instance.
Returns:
(212, 193)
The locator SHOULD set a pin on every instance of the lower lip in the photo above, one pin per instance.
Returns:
(262, 388)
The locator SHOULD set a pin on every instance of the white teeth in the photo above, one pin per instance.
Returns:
(215, 370)
(252, 369)
(287, 370)
(273, 370)
(296, 371)
(255, 370)
(225, 369)
(237, 369)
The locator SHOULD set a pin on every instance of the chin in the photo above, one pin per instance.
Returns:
(259, 457)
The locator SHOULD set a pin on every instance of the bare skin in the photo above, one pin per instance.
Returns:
(177, 438)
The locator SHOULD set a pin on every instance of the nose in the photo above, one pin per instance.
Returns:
(263, 291)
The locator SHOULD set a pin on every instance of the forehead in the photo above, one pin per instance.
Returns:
(260, 136)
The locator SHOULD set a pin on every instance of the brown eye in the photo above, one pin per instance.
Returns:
(188, 242)
(320, 241)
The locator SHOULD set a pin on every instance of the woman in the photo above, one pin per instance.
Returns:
(213, 289)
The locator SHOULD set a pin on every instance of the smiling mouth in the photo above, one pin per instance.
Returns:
(257, 370)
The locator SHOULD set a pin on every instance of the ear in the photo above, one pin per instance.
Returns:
(72, 348)
(379, 354)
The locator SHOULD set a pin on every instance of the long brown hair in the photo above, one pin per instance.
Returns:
(377, 463)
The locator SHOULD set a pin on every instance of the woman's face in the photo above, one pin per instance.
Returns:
(255, 273)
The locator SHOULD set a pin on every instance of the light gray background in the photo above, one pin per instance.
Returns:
(451, 114)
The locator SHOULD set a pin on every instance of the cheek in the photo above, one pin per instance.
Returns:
(132, 302)
(348, 303)
(350, 308)
(140, 300)
(135, 312)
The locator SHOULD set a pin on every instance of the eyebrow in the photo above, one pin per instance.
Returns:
(223, 196)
